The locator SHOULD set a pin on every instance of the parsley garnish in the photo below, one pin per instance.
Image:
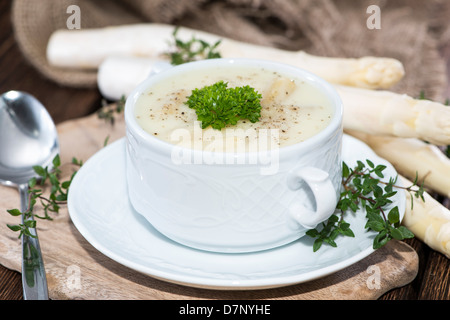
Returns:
(362, 188)
(218, 106)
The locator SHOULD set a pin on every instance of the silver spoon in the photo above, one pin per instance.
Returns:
(28, 138)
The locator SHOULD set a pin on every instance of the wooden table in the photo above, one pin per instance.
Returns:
(432, 281)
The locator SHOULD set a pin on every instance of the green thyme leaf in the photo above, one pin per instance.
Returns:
(14, 228)
(394, 216)
(405, 232)
(40, 171)
(56, 161)
(317, 244)
(381, 239)
(14, 212)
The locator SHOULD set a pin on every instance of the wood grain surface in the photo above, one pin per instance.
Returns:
(66, 252)
(431, 281)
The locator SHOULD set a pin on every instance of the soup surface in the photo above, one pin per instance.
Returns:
(292, 111)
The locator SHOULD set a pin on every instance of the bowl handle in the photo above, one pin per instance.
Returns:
(324, 195)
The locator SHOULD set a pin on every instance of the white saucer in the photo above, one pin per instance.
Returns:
(99, 208)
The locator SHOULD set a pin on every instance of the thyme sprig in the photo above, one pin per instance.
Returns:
(108, 112)
(192, 50)
(362, 188)
(51, 204)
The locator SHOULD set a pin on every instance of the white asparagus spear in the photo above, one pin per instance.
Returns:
(88, 48)
(370, 111)
(429, 221)
(118, 76)
(411, 156)
(392, 114)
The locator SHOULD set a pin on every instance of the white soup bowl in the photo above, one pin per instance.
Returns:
(235, 207)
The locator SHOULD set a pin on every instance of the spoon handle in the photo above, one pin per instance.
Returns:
(34, 281)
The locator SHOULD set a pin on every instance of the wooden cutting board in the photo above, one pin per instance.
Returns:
(76, 270)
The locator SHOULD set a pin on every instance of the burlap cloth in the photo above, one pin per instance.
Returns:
(412, 31)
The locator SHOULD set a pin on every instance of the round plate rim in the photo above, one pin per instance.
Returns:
(195, 281)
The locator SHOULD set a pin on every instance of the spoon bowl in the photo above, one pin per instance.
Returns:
(28, 138)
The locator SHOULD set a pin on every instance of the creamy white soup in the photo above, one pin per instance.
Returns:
(292, 111)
